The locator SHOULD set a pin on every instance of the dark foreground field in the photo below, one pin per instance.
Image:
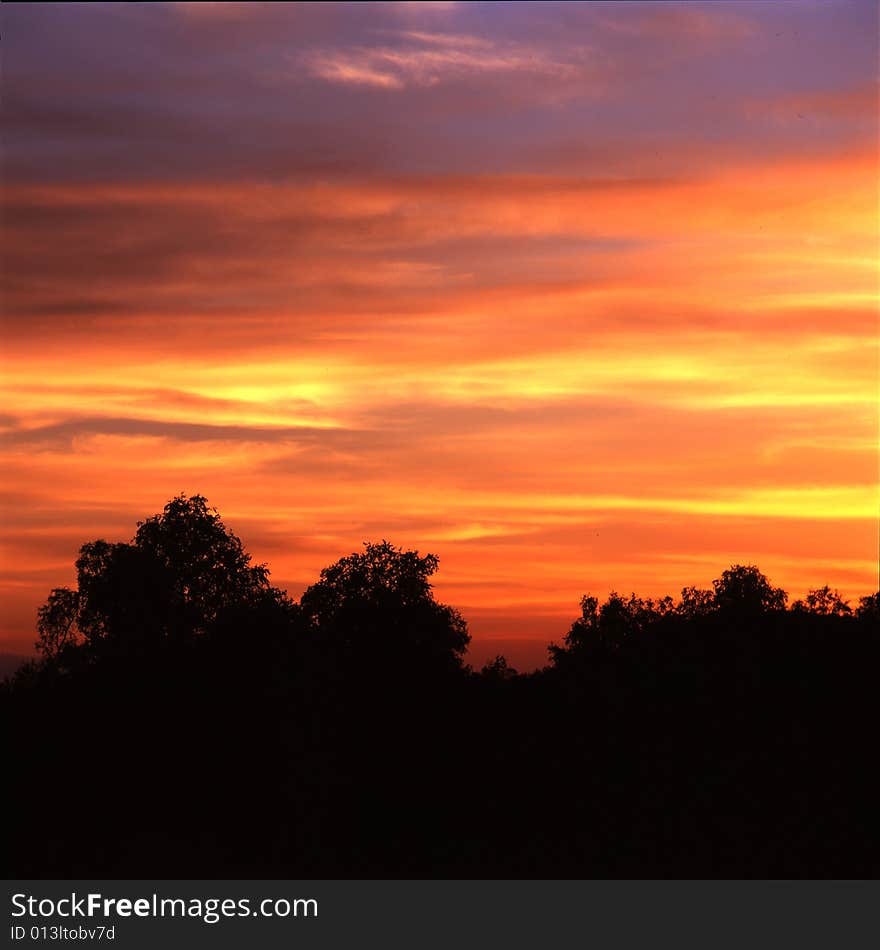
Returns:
(725, 734)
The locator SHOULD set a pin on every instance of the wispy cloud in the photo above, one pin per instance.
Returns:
(426, 59)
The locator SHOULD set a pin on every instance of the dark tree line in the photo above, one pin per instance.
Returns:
(186, 579)
(187, 718)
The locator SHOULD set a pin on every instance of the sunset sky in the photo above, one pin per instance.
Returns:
(575, 296)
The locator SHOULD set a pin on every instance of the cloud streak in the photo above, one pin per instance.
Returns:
(426, 59)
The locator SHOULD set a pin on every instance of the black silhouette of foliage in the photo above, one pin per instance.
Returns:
(741, 594)
(825, 602)
(744, 590)
(57, 623)
(378, 606)
(606, 627)
(177, 579)
(124, 594)
(869, 607)
(205, 564)
(498, 669)
(214, 727)
(696, 602)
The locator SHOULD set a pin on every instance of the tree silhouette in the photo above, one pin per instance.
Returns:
(498, 670)
(181, 577)
(609, 626)
(742, 593)
(869, 607)
(825, 602)
(206, 564)
(377, 607)
(696, 602)
(57, 625)
(744, 590)
(124, 595)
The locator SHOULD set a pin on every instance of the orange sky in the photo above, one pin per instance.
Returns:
(276, 260)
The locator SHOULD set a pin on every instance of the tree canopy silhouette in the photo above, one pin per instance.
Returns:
(377, 606)
(742, 594)
(744, 590)
(182, 576)
(824, 601)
